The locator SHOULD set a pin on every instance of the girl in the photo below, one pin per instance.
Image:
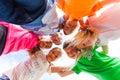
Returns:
(78, 9)
(34, 66)
(83, 48)
(14, 38)
(107, 22)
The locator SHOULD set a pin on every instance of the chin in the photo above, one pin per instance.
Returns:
(72, 57)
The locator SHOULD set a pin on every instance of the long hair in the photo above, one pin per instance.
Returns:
(83, 35)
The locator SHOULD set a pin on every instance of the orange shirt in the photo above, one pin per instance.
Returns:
(79, 8)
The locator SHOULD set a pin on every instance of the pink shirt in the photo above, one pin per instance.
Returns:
(18, 38)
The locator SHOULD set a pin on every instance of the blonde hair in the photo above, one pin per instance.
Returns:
(83, 35)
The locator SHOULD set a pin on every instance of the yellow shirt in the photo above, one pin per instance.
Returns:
(80, 8)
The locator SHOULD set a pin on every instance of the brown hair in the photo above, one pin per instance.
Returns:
(34, 50)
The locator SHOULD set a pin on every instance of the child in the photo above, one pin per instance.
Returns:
(67, 25)
(78, 9)
(107, 22)
(89, 60)
(70, 26)
(16, 38)
(34, 66)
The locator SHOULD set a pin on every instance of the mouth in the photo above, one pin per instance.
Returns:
(50, 58)
(72, 56)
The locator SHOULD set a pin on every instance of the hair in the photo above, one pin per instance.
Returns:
(55, 48)
(83, 35)
(34, 50)
(66, 44)
(79, 52)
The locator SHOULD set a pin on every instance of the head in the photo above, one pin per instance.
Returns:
(71, 51)
(85, 38)
(45, 43)
(69, 26)
(65, 18)
(56, 38)
(54, 54)
(34, 50)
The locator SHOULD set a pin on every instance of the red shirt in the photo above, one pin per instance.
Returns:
(18, 38)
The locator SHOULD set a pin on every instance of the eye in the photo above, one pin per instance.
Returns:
(84, 44)
(55, 55)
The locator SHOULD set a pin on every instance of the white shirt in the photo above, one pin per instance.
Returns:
(30, 69)
(108, 23)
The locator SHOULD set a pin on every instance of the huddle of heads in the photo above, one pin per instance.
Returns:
(83, 41)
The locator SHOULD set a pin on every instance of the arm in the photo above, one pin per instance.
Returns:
(56, 69)
(62, 71)
(65, 73)
(105, 2)
(105, 49)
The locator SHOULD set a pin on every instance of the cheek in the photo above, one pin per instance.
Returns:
(42, 44)
(71, 54)
(50, 57)
(89, 43)
(52, 37)
(48, 45)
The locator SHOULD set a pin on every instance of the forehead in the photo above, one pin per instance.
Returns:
(69, 48)
(56, 51)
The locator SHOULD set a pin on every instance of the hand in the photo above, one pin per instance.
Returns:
(58, 69)
(65, 73)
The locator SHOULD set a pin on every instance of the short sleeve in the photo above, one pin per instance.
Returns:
(103, 39)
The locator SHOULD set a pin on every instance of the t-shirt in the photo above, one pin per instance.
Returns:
(99, 65)
(79, 8)
(18, 38)
(30, 69)
(107, 23)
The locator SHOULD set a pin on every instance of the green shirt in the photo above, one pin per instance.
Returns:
(99, 65)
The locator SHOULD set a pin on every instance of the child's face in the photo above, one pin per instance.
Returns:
(45, 44)
(71, 52)
(56, 38)
(85, 44)
(69, 27)
(54, 54)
